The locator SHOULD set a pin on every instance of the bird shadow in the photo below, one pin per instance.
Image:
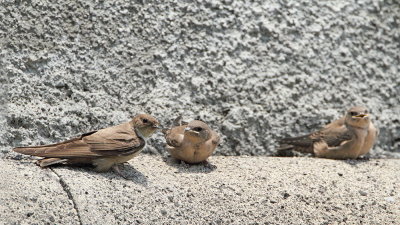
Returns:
(357, 161)
(291, 154)
(182, 167)
(128, 173)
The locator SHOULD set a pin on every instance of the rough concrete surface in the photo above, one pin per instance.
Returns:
(233, 190)
(255, 70)
(30, 195)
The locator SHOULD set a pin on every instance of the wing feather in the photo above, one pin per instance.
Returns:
(113, 141)
(174, 136)
(215, 138)
(334, 134)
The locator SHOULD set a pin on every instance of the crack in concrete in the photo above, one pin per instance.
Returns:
(66, 189)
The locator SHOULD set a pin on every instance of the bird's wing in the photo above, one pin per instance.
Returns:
(374, 130)
(301, 144)
(174, 136)
(179, 122)
(332, 133)
(74, 147)
(115, 141)
(215, 138)
(338, 143)
(112, 141)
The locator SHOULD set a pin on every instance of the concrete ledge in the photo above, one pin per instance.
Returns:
(29, 194)
(234, 190)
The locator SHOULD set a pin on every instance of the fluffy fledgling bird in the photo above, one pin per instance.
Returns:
(191, 142)
(104, 149)
(349, 137)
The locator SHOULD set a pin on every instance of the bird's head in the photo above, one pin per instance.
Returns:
(357, 117)
(197, 131)
(145, 124)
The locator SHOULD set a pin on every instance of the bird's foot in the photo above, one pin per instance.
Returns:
(364, 157)
(321, 149)
(118, 171)
(208, 165)
(184, 164)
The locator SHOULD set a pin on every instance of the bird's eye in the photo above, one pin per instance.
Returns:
(145, 120)
(353, 113)
(198, 129)
(366, 111)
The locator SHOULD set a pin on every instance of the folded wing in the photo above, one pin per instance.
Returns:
(175, 135)
(333, 134)
(114, 141)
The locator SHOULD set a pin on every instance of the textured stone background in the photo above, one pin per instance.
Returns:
(256, 71)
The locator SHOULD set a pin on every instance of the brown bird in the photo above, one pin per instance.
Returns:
(104, 149)
(349, 137)
(191, 142)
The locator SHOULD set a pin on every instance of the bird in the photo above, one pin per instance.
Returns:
(191, 142)
(349, 137)
(104, 149)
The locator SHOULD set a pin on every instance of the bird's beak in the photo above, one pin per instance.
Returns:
(190, 129)
(361, 115)
(157, 126)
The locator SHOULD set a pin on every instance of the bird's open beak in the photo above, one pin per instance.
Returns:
(361, 115)
(191, 130)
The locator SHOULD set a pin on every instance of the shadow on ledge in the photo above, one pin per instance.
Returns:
(127, 170)
(203, 167)
(130, 173)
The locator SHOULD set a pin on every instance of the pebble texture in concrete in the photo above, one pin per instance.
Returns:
(234, 190)
(255, 70)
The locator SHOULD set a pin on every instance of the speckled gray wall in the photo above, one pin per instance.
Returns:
(255, 70)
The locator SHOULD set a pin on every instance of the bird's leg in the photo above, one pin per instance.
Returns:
(118, 171)
(205, 163)
(184, 164)
(320, 149)
(208, 165)
(364, 157)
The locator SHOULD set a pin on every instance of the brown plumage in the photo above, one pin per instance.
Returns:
(104, 149)
(191, 142)
(348, 137)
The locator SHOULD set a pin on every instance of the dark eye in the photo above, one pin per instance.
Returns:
(145, 120)
(366, 111)
(353, 113)
(197, 129)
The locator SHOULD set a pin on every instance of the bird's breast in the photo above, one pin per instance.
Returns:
(122, 159)
(105, 163)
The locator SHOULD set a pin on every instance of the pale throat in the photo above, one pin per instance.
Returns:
(360, 132)
(139, 133)
(142, 133)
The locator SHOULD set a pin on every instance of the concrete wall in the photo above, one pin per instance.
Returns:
(255, 70)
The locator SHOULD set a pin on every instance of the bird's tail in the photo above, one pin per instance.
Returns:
(301, 144)
(284, 147)
(37, 150)
(284, 150)
(50, 161)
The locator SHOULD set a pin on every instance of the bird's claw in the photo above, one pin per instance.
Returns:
(118, 171)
